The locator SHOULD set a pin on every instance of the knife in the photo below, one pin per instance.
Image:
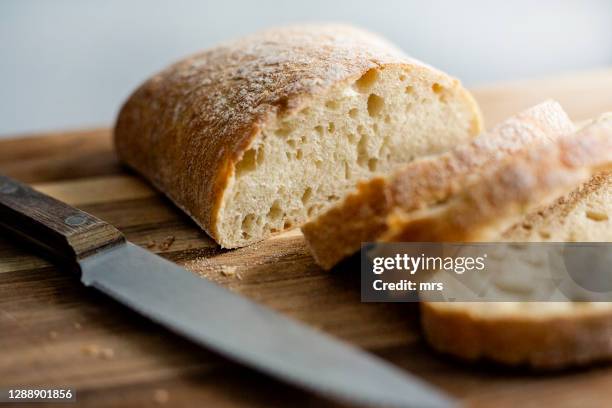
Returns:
(204, 312)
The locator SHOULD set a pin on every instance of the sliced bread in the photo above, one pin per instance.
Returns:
(256, 135)
(497, 198)
(362, 216)
(542, 335)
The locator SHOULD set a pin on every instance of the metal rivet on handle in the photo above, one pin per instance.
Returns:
(7, 188)
(75, 220)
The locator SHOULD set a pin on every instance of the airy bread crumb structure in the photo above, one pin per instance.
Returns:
(306, 161)
(257, 135)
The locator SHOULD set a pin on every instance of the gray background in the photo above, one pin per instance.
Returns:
(69, 64)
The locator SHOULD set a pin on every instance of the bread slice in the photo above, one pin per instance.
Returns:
(362, 215)
(256, 135)
(542, 335)
(494, 200)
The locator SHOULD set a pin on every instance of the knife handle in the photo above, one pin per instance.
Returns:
(56, 227)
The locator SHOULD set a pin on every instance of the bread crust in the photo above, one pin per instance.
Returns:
(362, 216)
(495, 201)
(550, 343)
(186, 127)
(576, 333)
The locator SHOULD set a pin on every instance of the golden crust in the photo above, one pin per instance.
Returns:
(555, 343)
(186, 127)
(496, 200)
(362, 216)
(544, 338)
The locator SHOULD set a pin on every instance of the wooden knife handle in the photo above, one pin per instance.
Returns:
(55, 227)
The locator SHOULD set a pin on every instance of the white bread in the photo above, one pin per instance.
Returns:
(256, 135)
(363, 215)
(542, 335)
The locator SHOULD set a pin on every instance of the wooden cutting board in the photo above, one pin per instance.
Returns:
(55, 332)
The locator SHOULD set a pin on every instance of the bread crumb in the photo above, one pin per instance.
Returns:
(53, 335)
(227, 270)
(161, 396)
(91, 350)
(167, 243)
(107, 353)
(94, 350)
(77, 325)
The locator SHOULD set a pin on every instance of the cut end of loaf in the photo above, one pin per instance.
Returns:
(305, 160)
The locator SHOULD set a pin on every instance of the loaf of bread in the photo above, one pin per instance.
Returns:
(257, 135)
(543, 335)
(363, 215)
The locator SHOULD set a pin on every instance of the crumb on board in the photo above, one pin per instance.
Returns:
(161, 396)
(95, 350)
(53, 335)
(164, 245)
(167, 242)
(77, 325)
(209, 269)
(227, 270)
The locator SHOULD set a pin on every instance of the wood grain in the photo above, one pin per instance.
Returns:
(53, 331)
(55, 227)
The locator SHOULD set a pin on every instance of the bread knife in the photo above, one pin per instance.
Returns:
(204, 312)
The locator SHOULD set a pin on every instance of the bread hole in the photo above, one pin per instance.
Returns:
(259, 156)
(352, 138)
(440, 91)
(333, 105)
(362, 151)
(318, 164)
(310, 211)
(402, 77)
(331, 127)
(409, 89)
(544, 234)
(353, 113)
(367, 80)
(307, 195)
(283, 131)
(248, 162)
(305, 112)
(347, 171)
(299, 154)
(597, 216)
(527, 227)
(387, 119)
(289, 155)
(287, 225)
(276, 211)
(291, 143)
(319, 130)
(375, 105)
(247, 223)
(372, 164)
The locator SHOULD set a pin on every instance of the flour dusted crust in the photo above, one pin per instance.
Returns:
(363, 215)
(541, 335)
(188, 128)
(583, 215)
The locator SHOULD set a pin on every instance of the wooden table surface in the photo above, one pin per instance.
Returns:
(55, 332)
